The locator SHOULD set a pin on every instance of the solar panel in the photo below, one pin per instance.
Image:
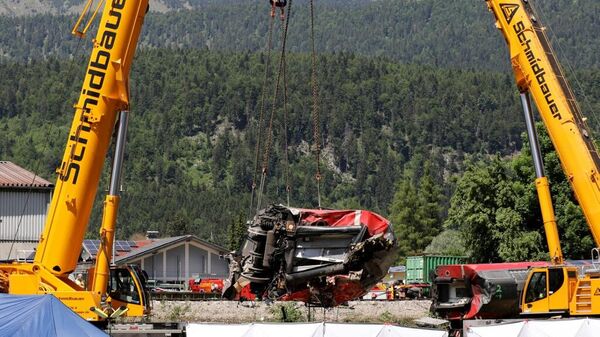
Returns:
(31, 256)
(91, 246)
(122, 246)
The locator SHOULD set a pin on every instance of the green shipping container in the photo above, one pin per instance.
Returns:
(420, 268)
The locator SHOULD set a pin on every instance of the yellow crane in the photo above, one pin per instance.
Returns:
(557, 289)
(101, 109)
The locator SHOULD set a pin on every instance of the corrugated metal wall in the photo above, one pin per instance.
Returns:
(27, 207)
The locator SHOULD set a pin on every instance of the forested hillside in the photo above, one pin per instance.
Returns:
(455, 34)
(193, 131)
(419, 117)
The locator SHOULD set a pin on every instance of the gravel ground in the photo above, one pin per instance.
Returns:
(400, 312)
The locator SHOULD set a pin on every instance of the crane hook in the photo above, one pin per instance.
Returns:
(278, 3)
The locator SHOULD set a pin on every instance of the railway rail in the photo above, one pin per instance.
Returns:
(185, 296)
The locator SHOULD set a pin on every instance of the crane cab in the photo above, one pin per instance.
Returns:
(547, 291)
(561, 290)
(127, 286)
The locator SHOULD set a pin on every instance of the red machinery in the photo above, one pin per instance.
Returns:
(206, 285)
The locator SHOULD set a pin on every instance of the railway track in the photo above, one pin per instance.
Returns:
(185, 296)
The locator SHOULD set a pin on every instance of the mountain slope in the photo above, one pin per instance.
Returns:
(456, 34)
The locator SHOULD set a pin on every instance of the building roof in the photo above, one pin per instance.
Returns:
(11, 175)
(161, 243)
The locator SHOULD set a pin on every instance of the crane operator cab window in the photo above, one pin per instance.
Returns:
(122, 286)
(556, 279)
(536, 289)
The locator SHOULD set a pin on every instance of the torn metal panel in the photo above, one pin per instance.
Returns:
(322, 257)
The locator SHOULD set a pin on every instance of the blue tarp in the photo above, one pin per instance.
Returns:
(43, 316)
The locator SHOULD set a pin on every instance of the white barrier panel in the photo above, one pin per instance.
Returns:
(539, 328)
(217, 330)
(295, 330)
(411, 332)
(307, 330)
(347, 330)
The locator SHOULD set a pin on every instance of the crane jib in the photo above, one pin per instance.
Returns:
(96, 74)
(537, 69)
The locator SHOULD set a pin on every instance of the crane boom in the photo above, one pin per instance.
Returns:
(104, 97)
(555, 289)
(538, 71)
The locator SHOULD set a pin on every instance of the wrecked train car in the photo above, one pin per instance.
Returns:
(479, 291)
(321, 257)
(483, 291)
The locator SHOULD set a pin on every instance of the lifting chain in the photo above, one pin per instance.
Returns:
(315, 98)
(281, 4)
(282, 63)
(285, 133)
(269, 47)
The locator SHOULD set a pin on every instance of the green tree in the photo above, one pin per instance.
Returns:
(472, 209)
(220, 157)
(416, 212)
(179, 224)
(575, 237)
(404, 218)
(496, 209)
(448, 242)
(237, 232)
(430, 205)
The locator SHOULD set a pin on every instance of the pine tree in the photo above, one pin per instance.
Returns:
(416, 211)
(404, 218)
(429, 209)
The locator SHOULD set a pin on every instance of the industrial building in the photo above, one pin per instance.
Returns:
(24, 201)
(177, 259)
